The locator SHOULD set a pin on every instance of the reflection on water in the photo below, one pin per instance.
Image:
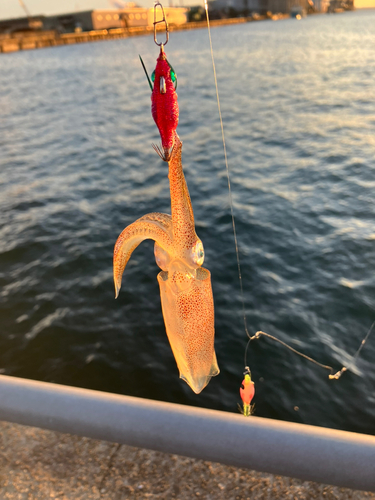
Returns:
(77, 167)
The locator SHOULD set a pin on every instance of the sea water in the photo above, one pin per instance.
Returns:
(77, 166)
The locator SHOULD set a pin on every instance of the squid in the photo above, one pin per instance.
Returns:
(185, 286)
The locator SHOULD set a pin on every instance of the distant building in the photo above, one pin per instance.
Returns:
(89, 20)
(70, 22)
(21, 24)
(340, 5)
(240, 6)
(321, 5)
(247, 7)
(222, 8)
(112, 18)
(286, 6)
(254, 5)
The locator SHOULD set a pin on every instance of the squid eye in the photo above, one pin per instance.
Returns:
(162, 257)
(153, 76)
(197, 253)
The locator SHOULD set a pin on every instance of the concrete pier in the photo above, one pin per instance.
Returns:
(38, 464)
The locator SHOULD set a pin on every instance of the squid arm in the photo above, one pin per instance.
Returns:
(154, 226)
(181, 207)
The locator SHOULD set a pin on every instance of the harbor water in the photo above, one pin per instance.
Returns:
(77, 167)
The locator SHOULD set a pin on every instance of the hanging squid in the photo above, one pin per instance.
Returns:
(185, 286)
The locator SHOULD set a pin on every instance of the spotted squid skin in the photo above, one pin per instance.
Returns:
(185, 290)
(184, 234)
(189, 321)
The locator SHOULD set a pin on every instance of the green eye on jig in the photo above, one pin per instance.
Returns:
(173, 75)
(152, 80)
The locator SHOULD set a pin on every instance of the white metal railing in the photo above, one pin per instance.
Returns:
(310, 453)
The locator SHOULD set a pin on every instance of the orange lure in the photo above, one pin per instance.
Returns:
(247, 392)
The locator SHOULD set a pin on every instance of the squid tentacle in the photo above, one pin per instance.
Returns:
(154, 226)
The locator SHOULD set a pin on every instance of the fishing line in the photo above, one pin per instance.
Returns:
(259, 334)
(227, 170)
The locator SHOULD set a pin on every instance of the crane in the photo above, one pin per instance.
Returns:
(28, 15)
(33, 23)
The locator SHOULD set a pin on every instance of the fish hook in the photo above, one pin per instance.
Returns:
(164, 20)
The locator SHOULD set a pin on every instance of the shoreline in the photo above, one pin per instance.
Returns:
(52, 39)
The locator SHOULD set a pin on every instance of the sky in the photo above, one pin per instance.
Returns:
(12, 8)
(364, 4)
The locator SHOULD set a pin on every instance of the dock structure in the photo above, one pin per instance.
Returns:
(53, 39)
(38, 40)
